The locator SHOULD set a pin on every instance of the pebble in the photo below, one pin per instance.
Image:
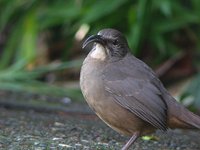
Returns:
(65, 145)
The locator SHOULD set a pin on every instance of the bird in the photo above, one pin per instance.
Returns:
(125, 92)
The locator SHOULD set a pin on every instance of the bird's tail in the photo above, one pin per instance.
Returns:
(180, 117)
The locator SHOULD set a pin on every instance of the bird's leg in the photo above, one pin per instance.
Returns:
(131, 141)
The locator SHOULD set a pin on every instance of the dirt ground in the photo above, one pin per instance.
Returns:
(24, 126)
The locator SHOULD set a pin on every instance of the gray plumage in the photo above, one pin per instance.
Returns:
(125, 93)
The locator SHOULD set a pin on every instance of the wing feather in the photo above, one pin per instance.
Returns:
(139, 92)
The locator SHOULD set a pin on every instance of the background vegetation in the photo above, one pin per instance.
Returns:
(40, 43)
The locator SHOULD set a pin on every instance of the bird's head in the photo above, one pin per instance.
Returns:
(108, 43)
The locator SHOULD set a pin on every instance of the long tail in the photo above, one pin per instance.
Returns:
(180, 117)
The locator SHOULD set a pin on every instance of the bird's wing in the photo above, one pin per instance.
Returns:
(137, 94)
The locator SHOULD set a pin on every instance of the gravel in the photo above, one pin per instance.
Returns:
(31, 130)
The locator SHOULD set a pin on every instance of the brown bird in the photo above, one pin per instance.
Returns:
(125, 93)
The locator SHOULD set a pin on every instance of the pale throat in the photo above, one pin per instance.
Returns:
(98, 52)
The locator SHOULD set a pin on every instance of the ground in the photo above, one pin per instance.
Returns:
(75, 127)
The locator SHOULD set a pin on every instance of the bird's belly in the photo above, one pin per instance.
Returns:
(115, 116)
(121, 119)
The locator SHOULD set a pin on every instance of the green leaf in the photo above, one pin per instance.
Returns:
(140, 28)
(27, 50)
(148, 138)
(41, 88)
(11, 46)
(100, 9)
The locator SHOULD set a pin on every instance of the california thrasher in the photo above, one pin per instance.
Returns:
(125, 93)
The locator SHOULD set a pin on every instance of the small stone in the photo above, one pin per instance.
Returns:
(36, 143)
(65, 145)
(104, 144)
(56, 139)
(66, 100)
(85, 141)
(59, 124)
(78, 145)
(86, 147)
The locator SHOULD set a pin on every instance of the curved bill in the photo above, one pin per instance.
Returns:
(93, 38)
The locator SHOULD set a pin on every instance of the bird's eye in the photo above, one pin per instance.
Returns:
(115, 42)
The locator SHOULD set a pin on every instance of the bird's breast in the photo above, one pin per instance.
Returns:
(91, 81)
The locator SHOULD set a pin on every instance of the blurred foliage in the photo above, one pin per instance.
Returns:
(161, 28)
(191, 95)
